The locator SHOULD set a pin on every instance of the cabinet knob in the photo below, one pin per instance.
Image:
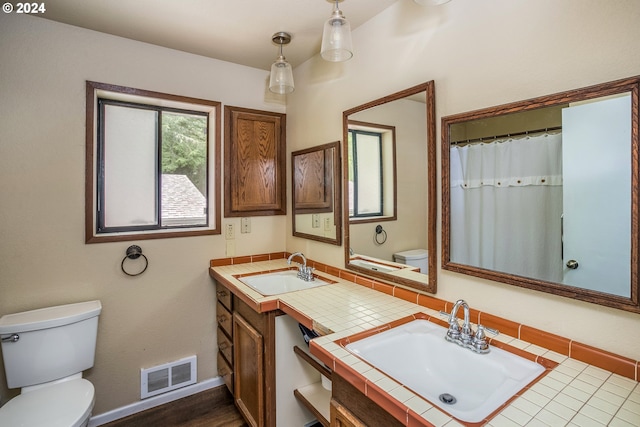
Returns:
(222, 319)
(222, 294)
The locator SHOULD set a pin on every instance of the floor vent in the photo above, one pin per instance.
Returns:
(170, 376)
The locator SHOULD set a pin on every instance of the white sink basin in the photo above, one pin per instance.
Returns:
(279, 282)
(417, 355)
(373, 265)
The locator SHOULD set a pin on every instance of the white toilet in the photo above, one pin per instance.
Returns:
(416, 258)
(44, 353)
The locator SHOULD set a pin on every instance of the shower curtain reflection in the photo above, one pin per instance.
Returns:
(506, 206)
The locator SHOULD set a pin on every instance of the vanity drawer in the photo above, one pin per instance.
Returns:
(225, 346)
(224, 319)
(225, 371)
(224, 296)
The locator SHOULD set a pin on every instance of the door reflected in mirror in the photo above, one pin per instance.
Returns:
(316, 193)
(541, 194)
(390, 196)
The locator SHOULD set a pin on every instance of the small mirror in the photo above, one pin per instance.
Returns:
(390, 188)
(315, 174)
(543, 194)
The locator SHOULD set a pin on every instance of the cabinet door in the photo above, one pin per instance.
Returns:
(254, 170)
(249, 371)
(342, 417)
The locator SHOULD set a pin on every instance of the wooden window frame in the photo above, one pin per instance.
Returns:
(96, 90)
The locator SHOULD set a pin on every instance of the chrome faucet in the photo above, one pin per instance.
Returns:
(305, 273)
(465, 336)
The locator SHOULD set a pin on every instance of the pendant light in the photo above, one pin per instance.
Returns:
(336, 37)
(281, 80)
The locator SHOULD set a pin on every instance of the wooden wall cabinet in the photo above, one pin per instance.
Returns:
(246, 357)
(254, 163)
(313, 181)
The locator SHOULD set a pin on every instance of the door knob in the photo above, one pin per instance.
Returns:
(572, 264)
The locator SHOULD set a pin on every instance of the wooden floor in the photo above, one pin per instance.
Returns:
(210, 408)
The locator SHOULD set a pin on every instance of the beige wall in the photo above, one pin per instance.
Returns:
(168, 312)
(480, 53)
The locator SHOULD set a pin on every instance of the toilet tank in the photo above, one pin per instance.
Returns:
(52, 343)
(416, 258)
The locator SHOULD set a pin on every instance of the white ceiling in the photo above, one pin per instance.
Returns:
(237, 31)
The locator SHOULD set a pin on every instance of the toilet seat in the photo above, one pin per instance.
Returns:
(65, 404)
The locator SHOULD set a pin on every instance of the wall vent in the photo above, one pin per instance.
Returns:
(170, 376)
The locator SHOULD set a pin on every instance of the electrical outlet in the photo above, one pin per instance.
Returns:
(228, 232)
(315, 221)
(245, 225)
(327, 224)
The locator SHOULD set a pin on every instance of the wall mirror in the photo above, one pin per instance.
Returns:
(390, 188)
(316, 194)
(543, 194)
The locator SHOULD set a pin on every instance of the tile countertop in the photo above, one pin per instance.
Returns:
(574, 393)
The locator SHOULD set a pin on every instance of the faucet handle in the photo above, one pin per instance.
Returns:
(453, 333)
(480, 335)
(309, 273)
(479, 342)
(491, 330)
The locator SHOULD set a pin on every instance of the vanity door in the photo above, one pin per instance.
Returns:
(249, 371)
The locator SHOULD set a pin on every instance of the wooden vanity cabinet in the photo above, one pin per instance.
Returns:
(342, 417)
(351, 408)
(224, 318)
(251, 348)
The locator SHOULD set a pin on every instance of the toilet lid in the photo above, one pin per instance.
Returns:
(66, 404)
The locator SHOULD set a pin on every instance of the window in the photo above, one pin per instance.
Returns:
(371, 171)
(365, 174)
(153, 165)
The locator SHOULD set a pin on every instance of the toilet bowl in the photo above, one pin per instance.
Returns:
(66, 404)
(44, 353)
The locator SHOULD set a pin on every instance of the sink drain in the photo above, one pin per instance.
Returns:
(447, 398)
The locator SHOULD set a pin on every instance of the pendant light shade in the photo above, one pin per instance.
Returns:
(281, 80)
(336, 37)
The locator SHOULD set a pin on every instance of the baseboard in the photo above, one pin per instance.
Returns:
(152, 402)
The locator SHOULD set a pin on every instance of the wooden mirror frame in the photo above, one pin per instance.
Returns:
(630, 85)
(335, 193)
(431, 283)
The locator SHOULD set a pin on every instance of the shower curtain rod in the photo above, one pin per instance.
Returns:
(506, 135)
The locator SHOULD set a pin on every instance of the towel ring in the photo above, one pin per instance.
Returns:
(134, 252)
(379, 231)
